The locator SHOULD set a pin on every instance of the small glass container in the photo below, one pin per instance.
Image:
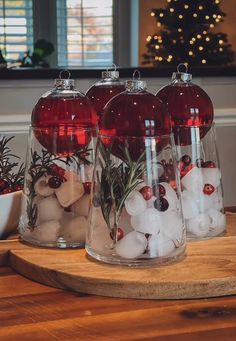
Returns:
(136, 216)
(59, 167)
(192, 117)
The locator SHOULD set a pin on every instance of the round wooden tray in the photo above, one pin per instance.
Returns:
(209, 270)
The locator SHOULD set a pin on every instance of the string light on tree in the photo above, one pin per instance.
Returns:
(185, 40)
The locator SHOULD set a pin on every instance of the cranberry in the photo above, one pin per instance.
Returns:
(186, 170)
(158, 189)
(18, 187)
(87, 187)
(7, 190)
(181, 165)
(199, 163)
(3, 184)
(146, 192)
(208, 189)
(161, 204)
(186, 159)
(56, 170)
(173, 184)
(169, 171)
(120, 233)
(209, 164)
(54, 182)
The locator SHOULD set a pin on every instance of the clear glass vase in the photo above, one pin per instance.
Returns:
(136, 216)
(56, 196)
(200, 178)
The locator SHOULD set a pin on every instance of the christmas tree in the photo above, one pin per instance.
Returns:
(185, 35)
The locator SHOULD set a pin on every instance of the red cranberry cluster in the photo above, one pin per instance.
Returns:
(158, 190)
(58, 177)
(6, 187)
(185, 165)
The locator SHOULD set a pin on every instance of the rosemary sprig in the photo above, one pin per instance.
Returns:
(7, 172)
(39, 166)
(80, 157)
(117, 182)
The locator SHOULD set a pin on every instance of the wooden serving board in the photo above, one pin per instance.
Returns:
(209, 270)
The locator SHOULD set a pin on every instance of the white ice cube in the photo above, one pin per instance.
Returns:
(211, 176)
(75, 229)
(135, 203)
(189, 205)
(71, 176)
(216, 218)
(47, 232)
(132, 245)
(193, 180)
(69, 192)
(218, 200)
(222, 221)
(140, 185)
(160, 246)
(42, 188)
(81, 206)
(150, 202)
(49, 209)
(124, 222)
(205, 202)
(199, 225)
(148, 221)
(172, 226)
(170, 196)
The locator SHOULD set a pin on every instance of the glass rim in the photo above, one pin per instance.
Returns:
(194, 126)
(70, 126)
(127, 137)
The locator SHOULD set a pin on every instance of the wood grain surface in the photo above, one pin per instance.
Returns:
(31, 311)
(209, 270)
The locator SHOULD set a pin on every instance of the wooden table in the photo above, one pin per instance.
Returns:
(31, 311)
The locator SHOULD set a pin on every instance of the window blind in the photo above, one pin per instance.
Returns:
(84, 33)
(16, 28)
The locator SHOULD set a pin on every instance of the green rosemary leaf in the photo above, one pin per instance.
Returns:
(7, 166)
(117, 182)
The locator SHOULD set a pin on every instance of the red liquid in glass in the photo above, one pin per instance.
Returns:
(131, 115)
(63, 124)
(100, 95)
(189, 106)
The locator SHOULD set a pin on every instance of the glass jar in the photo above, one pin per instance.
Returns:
(201, 183)
(192, 117)
(59, 167)
(136, 216)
